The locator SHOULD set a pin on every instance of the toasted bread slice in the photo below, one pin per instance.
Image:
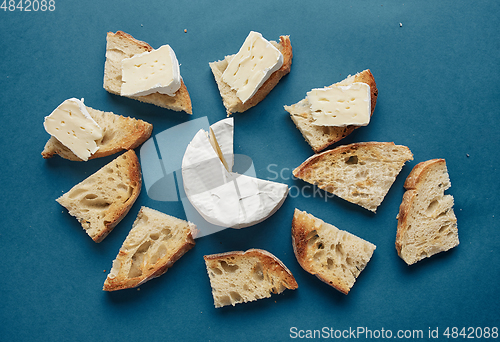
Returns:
(232, 103)
(426, 222)
(119, 133)
(335, 256)
(121, 45)
(103, 199)
(155, 242)
(320, 137)
(240, 277)
(361, 173)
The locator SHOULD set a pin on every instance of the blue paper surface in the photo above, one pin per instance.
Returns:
(435, 63)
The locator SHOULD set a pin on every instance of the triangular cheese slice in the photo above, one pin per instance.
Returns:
(361, 173)
(222, 197)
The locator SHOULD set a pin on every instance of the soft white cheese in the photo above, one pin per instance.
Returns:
(72, 125)
(254, 63)
(341, 105)
(222, 197)
(155, 71)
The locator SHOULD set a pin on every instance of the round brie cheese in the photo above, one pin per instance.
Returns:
(222, 197)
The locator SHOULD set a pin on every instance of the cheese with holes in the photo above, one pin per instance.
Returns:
(220, 196)
(254, 63)
(72, 125)
(341, 105)
(155, 71)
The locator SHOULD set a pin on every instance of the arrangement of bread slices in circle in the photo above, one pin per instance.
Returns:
(361, 173)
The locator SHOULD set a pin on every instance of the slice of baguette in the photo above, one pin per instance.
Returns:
(121, 45)
(320, 137)
(119, 133)
(335, 256)
(426, 222)
(103, 199)
(361, 173)
(155, 242)
(240, 277)
(232, 103)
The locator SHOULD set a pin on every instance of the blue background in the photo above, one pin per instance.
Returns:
(437, 76)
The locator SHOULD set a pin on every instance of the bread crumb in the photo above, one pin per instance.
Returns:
(138, 289)
(103, 271)
(467, 155)
(185, 30)
(400, 25)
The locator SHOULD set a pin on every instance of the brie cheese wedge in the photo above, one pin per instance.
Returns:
(220, 196)
(155, 71)
(341, 106)
(254, 63)
(72, 125)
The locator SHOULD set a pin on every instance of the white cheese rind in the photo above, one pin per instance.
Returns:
(225, 198)
(155, 71)
(72, 125)
(341, 105)
(254, 63)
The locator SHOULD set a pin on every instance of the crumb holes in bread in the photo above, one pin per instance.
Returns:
(167, 233)
(258, 272)
(225, 300)
(76, 193)
(235, 296)
(137, 260)
(107, 137)
(227, 267)
(160, 252)
(216, 270)
(92, 201)
(318, 256)
(443, 228)
(432, 207)
(351, 160)
(339, 250)
(312, 237)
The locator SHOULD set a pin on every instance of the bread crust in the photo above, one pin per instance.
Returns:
(120, 133)
(232, 103)
(76, 199)
(415, 181)
(328, 170)
(112, 74)
(304, 227)
(118, 211)
(271, 263)
(300, 114)
(159, 268)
